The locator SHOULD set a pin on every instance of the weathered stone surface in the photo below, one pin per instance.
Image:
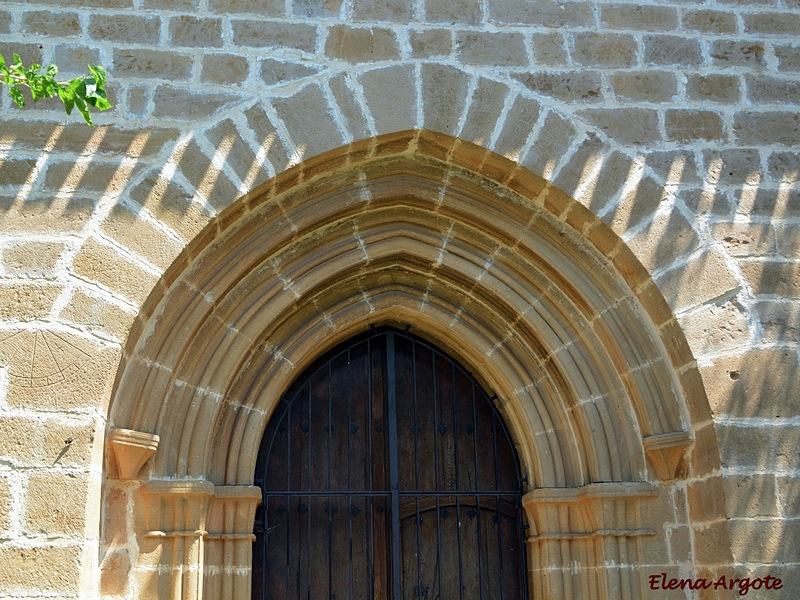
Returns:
(484, 48)
(391, 97)
(32, 259)
(141, 236)
(521, 118)
(195, 32)
(552, 143)
(270, 8)
(734, 53)
(628, 125)
(486, 106)
(445, 90)
(100, 263)
(228, 140)
(689, 125)
(155, 63)
(184, 105)
(637, 16)
(672, 50)
(310, 121)
(751, 495)
(427, 43)
(569, 86)
(651, 86)
(715, 328)
(48, 23)
(664, 241)
(27, 301)
(710, 21)
(771, 23)
(772, 277)
(746, 239)
(541, 12)
(361, 44)
(710, 268)
(788, 57)
(225, 69)
(383, 10)
(349, 107)
(772, 90)
(65, 516)
(467, 12)
(42, 569)
(750, 384)
(278, 72)
(713, 88)
(273, 34)
(125, 28)
(604, 50)
(549, 49)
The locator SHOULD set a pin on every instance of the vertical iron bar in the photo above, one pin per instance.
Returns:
(350, 469)
(370, 466)
(436, 472)
(330, 497)
(458, 480)
(417, 518)
(497, 504)
(477, 487)
(391, 380)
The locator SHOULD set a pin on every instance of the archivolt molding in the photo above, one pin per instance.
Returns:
(539, 298)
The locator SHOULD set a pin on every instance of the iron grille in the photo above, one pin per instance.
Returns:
(388, 473)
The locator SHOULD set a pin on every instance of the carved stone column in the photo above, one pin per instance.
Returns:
(229, 542)
(584, 541)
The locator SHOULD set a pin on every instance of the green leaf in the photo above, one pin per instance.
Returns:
(2, 63)
(51, 72)
(16, 95)
(67, 98)
(80, 104)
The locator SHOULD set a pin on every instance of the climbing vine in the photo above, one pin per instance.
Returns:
(79, 93)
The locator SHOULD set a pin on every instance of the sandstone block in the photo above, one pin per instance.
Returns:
(29, 53)
(41, 570)
(273, 34)
(604, 49)
(789, 495)
(100, 263)
(764, 540)
(186, 105)
(714, 88)
(779, 320)
(737, 53)
(710, 21)
(772, 277)
(584, 86)
(310, 121)
(772, 90)
(716, 328)
(546, 13)
(678, 285)
(466, 12)
(554, 139)
(172, 4)
(693, 125)
(489, 48)
(5, 21)
(750, 385)
(349, 107)
(521, 118)
(14, 172)
(264, 130)
(325, 9)
(132, 29)
(665, 240)
(627, 125)
(486, 106)
(5, 505)
(278, 72)
(445, 90)
(141, 236)
(361, 44)
(706, 500)
(751, 495)
(224, 69)
(45, 22)
(42, 214)
(743, 446)
(390, 95)
(101, 176)
(733, 166)
(672, 50)
(639, 17)
(44, 515)
(712, 544)
(27, 301)
(675, 166)
(171, 204)
(649, 86)
(383, 10)
(157, 64)
(427, 43)
(788, 57)
(32, 259)
(16, 437)
(549, 49)
(73, 58)
(772, 23)
(745, 239)
(781, 203)
(195, 32)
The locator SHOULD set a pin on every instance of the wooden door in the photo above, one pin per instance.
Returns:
(387, 473)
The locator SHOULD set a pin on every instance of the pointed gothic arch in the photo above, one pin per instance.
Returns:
(536, 296)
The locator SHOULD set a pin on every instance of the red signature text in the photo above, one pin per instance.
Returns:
(741, 585)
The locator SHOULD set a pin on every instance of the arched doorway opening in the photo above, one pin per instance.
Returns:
(543, 303)
(387, 472)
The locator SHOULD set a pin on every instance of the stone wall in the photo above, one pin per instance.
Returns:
(676, 123)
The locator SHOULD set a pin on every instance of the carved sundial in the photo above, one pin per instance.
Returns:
(39, 359)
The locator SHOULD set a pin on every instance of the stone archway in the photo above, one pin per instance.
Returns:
(539, 298)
